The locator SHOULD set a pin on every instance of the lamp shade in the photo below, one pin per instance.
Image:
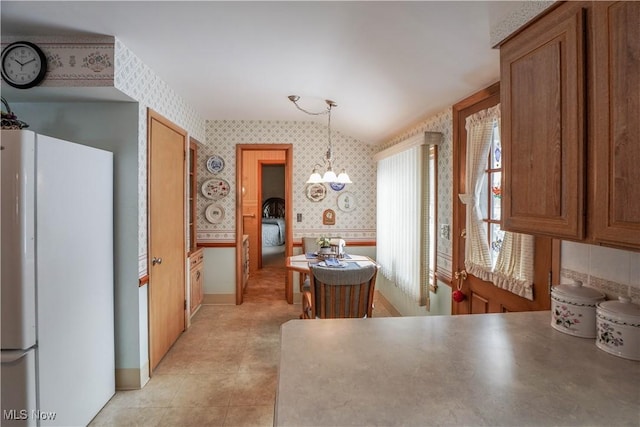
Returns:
(314, 178)
(329, 176)
(343, 178)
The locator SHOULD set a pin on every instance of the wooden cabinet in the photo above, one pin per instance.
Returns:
(615, 126)
(570, 95)
(543, 138)
(196, 260)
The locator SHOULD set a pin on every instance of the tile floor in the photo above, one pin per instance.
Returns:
(223, 370)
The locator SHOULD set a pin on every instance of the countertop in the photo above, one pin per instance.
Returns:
(491, 369)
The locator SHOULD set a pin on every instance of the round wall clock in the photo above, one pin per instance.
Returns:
(24, 65)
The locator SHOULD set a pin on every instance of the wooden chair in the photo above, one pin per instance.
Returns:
(340, 292)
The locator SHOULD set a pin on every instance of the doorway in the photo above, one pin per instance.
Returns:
(273, 224)
(250, 160)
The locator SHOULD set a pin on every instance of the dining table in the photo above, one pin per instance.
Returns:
(301, 262)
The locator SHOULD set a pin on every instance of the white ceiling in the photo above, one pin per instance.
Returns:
(386, 64)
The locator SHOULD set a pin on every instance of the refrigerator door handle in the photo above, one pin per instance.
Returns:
(11, 356)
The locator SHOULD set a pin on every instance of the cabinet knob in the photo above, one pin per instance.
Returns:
(156, 260)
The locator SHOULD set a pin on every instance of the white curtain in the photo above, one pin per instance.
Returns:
(514, 266)
(398, 219)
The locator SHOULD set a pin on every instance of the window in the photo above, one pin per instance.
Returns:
(491, 195)
(506, 259)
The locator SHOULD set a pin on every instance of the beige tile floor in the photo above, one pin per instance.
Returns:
(222, 371)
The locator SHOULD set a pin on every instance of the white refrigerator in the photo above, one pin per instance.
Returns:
(57, 277)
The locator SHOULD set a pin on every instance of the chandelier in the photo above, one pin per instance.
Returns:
(329, 175)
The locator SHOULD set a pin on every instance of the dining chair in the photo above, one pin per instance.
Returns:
(340, 292)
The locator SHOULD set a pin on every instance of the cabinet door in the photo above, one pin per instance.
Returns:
(196, 288)
(615, 120)
(543, 138)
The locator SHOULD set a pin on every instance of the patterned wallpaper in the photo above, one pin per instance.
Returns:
(441, 122)
(138, 81)
(309, 140)
(519, 17)
(74, 61)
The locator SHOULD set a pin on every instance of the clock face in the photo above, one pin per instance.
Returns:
(23, 65)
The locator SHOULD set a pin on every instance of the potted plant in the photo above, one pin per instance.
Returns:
(325, 245)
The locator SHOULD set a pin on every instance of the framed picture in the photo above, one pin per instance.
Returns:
(315, 192)
(329, 217)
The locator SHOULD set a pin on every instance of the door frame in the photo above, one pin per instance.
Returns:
(288, 216)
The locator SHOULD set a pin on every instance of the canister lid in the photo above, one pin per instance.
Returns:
(622, 307)
(575, 290)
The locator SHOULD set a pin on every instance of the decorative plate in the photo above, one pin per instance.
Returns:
(346, 202)
(214, 213)
(215, 164)
(315, 192)
(336, 186)
(215, 188)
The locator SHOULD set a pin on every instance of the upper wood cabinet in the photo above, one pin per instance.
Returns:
(570, 95)
(543, 138)
(615, 126)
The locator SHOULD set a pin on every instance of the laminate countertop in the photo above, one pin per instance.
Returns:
(509, 369)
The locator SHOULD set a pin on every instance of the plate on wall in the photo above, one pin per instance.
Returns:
(214, 213)
(215, 164)
(215, 188)
(315, 192)
(346, 202)
(336, 186)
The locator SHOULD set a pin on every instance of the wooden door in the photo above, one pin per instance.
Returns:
(615, 119)
(543, 126)
(481, 296)
(167, 240)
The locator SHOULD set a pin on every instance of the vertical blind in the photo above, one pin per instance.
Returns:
(399, 218)
(403, 249)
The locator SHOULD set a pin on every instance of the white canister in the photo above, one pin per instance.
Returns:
(573, 309)
(618, 324)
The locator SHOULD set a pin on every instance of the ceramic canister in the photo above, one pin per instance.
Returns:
(573, 309)
(618, 327)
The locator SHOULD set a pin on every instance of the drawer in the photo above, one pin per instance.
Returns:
(196, 258)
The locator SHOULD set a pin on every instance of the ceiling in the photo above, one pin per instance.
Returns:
(386, 64)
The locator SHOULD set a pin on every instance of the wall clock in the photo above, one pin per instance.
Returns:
(24, 65)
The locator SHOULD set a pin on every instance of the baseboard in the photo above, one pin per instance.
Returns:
(132, 378)
(219, 299)
(390, 308)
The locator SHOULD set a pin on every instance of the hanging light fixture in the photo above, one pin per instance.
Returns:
(329, 175)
